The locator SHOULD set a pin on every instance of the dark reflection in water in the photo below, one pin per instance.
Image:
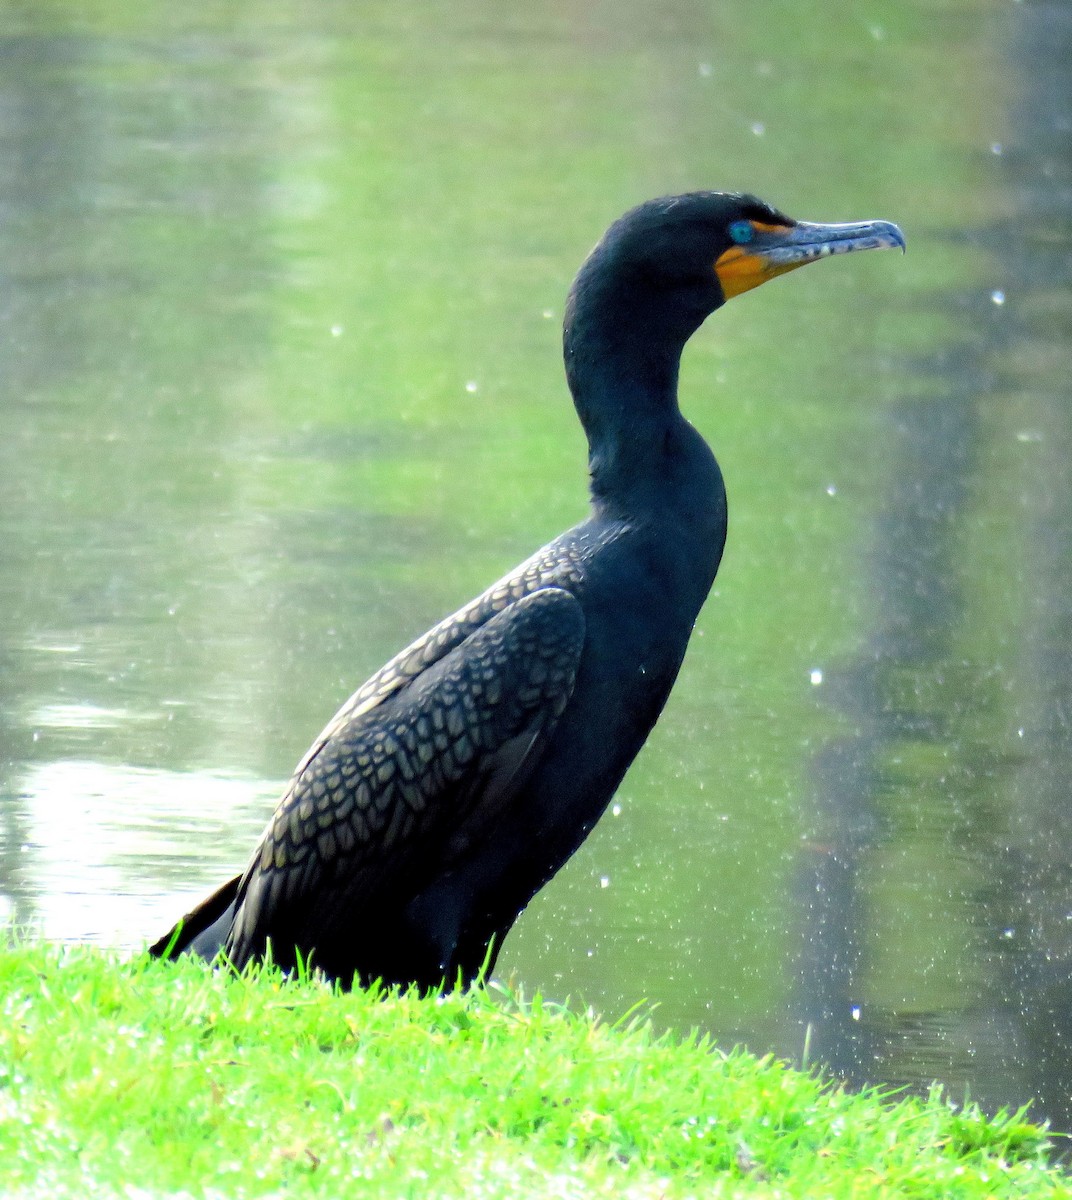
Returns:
(1034, 882)
(1005, 1026)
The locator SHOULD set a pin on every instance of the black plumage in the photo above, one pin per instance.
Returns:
(460, 777)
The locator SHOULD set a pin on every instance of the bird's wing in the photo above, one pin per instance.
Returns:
(401, 780)
(550, 567)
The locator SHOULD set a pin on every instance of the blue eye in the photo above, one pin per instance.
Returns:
(742, 232)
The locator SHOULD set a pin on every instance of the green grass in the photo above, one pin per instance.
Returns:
(146, 1079)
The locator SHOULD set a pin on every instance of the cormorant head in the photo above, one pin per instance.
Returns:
(668, 264)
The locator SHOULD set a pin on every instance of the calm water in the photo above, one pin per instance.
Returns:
(281, 386)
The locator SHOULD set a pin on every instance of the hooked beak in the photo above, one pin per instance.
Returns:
(775, 249)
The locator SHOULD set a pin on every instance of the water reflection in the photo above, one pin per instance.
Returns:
(256, 267)
(105, 843)
(968, 727)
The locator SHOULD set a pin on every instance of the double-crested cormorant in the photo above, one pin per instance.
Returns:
(451, 786)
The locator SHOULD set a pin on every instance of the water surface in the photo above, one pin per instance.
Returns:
(282, 386)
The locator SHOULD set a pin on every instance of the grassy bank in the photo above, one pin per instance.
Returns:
(149, 1079)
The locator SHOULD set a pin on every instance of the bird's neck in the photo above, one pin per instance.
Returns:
(625, 393)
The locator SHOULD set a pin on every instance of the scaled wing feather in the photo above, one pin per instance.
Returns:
(412, 768)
